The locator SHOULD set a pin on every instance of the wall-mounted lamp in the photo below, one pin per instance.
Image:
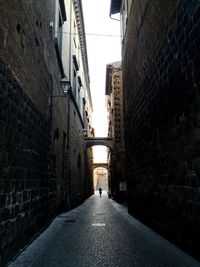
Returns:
(66, 86)
(85, 132)
(65, 83)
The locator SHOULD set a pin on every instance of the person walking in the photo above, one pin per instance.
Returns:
(100, 191)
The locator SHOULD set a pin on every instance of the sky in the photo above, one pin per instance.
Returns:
(101, 50)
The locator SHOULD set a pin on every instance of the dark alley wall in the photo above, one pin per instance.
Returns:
(161, 69)
(28, 197)
(27, 182)
(34, 151)
(80, 178)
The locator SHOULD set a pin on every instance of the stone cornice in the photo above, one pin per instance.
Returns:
(81, 30)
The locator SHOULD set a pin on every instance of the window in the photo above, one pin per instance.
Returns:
(75, 77)
(60, 34)
(74, 42)
(75, 35)
(60, 18)
(124, 17)
(74, 82)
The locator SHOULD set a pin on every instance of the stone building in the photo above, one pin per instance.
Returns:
(114, 100)
(161, 81)
(43, 165)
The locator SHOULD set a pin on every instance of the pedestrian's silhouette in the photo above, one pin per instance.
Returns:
(100, 191)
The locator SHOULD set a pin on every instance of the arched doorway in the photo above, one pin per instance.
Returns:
(100, 178)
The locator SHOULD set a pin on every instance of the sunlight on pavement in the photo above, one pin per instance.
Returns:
(104, 192)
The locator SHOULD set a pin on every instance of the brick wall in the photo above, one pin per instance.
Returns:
(116, 128)
(162, 118)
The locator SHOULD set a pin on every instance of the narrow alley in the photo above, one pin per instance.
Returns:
(101, 233)
(99, 95)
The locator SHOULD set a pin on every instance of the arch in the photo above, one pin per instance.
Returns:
(101, 141)
(100, 165)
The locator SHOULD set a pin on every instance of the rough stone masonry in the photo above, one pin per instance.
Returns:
(161, 68)
(28, 188)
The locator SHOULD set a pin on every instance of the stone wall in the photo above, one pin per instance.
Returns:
(162, 118)
(36, 150)
(28, 191)
(27, 46)
(27, 181)
(77, 161)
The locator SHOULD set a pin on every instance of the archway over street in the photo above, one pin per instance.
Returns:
(101, 141)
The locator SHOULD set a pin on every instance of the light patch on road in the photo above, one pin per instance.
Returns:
(98, 224)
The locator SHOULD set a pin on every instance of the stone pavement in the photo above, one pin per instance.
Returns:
(100, 233)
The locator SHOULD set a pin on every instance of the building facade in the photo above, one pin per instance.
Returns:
(114, 100)
(44, 167)
(160, 62)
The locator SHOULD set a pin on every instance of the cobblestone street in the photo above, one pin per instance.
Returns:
(100, 233)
